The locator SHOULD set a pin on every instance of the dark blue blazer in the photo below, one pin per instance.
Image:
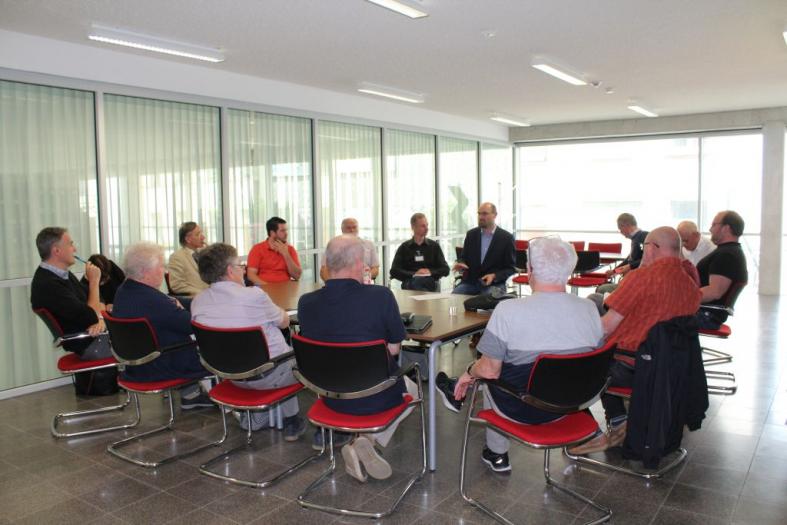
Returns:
(500, 258)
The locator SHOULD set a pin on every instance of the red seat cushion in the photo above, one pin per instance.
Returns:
(568, 429)
(597, 275)
(72, 363)
(723, 331)
(152, 386)
(587, 281)
(521, 279)
(320, 414)
(621, 391)
(231, 394)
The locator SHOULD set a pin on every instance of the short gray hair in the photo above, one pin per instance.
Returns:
(142, 257)
(342, 252)
(551, 260)
(213, 261)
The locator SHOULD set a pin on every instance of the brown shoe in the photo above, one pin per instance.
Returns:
(474, 340)
(597, 444)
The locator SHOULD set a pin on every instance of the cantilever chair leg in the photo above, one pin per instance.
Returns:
(115, 448)
(63, 417)
(721, 389)
(205, 468)
(717, 356)
(654, 474)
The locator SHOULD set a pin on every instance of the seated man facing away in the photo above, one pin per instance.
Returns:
(722, 268)
(549, 321)
(139, 296)
(695, 246)
(419, 263)
(58, 290)
(346, 311)
(184, 277)
(273, 260)
(228, 303)
(658, 291)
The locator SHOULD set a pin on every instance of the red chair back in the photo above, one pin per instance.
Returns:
(50, 322)
(232, 353)
(578, 245)
(521, 245)
(606, 247)
(133, 340)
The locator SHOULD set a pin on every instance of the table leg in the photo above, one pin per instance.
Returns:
(433, 348)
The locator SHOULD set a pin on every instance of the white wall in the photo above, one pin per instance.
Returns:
(29, 53)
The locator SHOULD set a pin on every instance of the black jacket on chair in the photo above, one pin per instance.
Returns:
(500, 258)
(670, 390)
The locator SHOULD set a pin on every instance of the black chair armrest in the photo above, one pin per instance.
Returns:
(58, 342)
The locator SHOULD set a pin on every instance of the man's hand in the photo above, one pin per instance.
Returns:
(488, 279)
(460, 267)
(97, 328)
(92, 273)
(279, 247)
(462, 384)
(422, 272)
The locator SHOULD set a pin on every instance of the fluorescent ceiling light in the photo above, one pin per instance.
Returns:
(151, 43)
(394, 93)
(506, 120)
(642, 111)
(557, 73)
(400, 8)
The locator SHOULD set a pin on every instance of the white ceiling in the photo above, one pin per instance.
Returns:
(672, 56)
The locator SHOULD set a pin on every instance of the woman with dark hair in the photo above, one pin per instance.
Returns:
(111, 277)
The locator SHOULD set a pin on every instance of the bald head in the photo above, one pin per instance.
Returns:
(487, 213)
(350, 226)
(662, 242)
(344, 257)
(689, 235)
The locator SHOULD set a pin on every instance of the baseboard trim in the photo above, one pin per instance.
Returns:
(35, 387)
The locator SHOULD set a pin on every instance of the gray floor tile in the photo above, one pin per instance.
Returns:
(701, 501)
(156, 509)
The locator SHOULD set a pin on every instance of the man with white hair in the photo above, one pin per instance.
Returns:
(549, 321)
(346, 311)
(695, 246)
(370, 260)
(140, 296)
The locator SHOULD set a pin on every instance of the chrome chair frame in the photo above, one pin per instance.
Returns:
(717, 357)
(607, 513)
(302, 498)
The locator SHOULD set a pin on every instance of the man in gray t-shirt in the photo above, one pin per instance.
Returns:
(549, 321)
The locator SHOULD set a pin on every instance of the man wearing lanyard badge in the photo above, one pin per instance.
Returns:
(419, 262)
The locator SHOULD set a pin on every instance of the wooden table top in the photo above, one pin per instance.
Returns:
(285, 295)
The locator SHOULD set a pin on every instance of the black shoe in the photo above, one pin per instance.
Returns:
(445, 388)
(294, 427)
(497, 462)
(200, 401)
(339, 439)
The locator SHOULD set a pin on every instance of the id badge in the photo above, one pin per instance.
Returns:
(419, 258)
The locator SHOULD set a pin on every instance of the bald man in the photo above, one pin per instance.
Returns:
(659, 290)
(695, 246)
(349, 226)
(487, 255)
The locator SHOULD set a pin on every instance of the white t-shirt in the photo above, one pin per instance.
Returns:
(546, 322)
(704, 247)
(227, 304)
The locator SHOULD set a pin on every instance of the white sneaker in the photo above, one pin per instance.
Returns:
(352, 464)
(373, 462)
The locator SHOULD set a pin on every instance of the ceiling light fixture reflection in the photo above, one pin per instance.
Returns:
(550, 69)
(512, 121)
(642, 111)
(150, 43)
(393, 93)
(400, 8)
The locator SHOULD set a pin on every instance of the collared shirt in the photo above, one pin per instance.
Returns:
(704, 247)
(411, 257)
(227, 304)
(486, 240)
(657, 292)
(63, 274)
(270, 264)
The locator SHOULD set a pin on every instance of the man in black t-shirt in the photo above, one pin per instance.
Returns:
(722, 272)
(419, 263)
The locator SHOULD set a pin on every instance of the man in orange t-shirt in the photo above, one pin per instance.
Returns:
(273, 260)
(658, 291)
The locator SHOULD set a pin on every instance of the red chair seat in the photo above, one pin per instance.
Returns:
(320, 414)
(153, 386)
(521, 279)
(231, 394)
(723, 331)
(622, 391)
(587, 281)
(72, 363)
(568, 429)
(598, 275)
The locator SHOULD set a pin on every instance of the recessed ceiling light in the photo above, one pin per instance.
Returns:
(393, 93)
(512, 121)
(150, 43)
(550, 69)
(400, 8)
(642, 111)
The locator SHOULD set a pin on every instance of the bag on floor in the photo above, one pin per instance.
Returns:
(103, 382)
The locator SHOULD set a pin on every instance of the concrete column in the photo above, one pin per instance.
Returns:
(772, 207)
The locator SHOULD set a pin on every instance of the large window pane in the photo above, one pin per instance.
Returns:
(270, 174)
(410, 173)
(732, 180)
(457, 193)
(350, 178)
(585, 186)
(47, 178)
(163, 168)
(497, 182)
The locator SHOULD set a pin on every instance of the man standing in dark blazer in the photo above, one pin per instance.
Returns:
(487, 255)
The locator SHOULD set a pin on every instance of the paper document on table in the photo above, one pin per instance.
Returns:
(430, 296)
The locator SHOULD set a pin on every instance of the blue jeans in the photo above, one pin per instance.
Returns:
(425, 283)
(477, 288)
